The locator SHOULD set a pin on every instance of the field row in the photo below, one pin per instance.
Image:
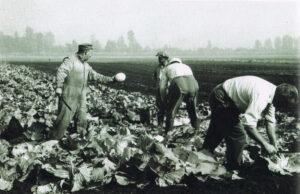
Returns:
(208, 73)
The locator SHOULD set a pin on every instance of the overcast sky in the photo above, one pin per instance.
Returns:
(180, 23)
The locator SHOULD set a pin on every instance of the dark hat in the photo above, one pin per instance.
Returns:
(162, 54)
(85, 47)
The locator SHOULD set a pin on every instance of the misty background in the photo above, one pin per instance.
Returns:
(132, 27)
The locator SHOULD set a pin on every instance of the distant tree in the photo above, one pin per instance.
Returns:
(215, 48)
(17, 42)
(2, 50)
(268, 44)
(59, 48)
(9, 46)
(6, 45)
(121, 45)
(29, 40)
(297, 43)
(40, 43)
(133, 45)
(257, 45)
(111, 46)
(200, 49)
(237, 49)
(287, 43)
(209, 45)
(72, 47)
(49, 40)
(277, 43)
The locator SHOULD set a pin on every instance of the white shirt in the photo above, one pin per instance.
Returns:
(253, 96)
(174, 70)
(169, 73)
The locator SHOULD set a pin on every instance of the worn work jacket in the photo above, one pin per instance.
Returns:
(72, 76)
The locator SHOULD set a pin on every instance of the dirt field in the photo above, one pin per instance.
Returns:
(208, 73)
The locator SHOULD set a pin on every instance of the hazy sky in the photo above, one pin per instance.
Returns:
(180, 23)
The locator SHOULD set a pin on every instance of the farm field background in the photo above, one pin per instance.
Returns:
(209, 73)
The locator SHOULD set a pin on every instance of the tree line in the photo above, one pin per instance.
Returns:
(286, 42)
(44, 43)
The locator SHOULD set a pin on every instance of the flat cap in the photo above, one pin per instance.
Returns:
(85, 47)
(162, 54)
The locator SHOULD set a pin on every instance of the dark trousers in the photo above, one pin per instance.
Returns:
(182, 89)
(225, 123)
(160, 109)
(67, 113)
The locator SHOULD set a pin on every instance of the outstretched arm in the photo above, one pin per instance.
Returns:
(94, 76)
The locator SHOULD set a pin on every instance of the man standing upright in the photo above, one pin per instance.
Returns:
(162, 62)
(71, 78)
(237, 105)
(183, 87)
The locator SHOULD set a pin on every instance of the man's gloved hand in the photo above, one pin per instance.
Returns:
(58, 92)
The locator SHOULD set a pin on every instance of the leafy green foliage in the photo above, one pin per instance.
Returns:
(120, 146)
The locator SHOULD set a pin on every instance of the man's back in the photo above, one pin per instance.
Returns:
(244, 90)
(177, 69)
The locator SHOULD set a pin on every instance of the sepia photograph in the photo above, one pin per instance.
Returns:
(149, 96)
